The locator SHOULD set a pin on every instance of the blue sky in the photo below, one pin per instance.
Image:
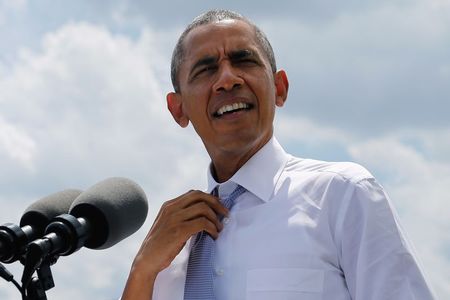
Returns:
(82, 98)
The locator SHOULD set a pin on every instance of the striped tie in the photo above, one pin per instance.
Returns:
(199, 278)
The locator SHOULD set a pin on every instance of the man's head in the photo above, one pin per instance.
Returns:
(211, 17)
(227, 89)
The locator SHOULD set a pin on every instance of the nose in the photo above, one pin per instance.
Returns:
(228, 78)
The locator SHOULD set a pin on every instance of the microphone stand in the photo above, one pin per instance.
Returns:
(35, 286)
(65, 235)
(41, 283)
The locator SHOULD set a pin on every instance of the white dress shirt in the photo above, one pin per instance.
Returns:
(305, 229)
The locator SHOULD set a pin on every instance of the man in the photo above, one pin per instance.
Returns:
(299, 228)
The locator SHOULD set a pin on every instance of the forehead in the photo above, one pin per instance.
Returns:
(219, 38)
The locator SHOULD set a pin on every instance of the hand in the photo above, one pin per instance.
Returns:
(176, 222)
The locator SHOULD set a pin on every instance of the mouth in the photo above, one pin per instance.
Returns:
(232, 108)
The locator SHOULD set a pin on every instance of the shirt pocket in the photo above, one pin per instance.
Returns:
(284, 283)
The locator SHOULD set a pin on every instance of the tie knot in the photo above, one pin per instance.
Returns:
(228, 202)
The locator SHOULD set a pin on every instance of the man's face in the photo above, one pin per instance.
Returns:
(227, 88)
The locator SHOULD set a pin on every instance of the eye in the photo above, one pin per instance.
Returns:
(205, 69)
(247, 62)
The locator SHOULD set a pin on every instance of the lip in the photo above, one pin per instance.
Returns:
(231, 101)
(234, 116)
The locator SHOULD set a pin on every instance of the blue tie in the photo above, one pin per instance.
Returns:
(199, 278)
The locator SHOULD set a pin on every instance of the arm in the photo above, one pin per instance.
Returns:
(377, 259)
(176, 222)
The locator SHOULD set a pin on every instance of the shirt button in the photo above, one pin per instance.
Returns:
(219, 271)
(226, 220)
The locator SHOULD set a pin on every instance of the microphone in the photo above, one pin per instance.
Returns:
(100, 217)
(14, 239)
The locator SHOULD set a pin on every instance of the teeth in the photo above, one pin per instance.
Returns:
(231, 107)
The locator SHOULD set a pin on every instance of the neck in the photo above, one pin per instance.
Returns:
(224, 169)
(226, 163)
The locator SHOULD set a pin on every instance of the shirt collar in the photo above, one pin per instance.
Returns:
(260, 173)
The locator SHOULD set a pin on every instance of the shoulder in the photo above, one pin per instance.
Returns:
(332, 184)
(349, 172)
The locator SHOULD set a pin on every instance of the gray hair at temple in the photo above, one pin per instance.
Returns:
(208, 17)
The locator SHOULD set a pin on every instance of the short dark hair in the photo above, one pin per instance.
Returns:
(212, 16)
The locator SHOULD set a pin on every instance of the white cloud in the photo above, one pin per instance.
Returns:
(93, 104)
(369, 70)
(434, 143)
(307, 131)
(16, 144)
(90, 105)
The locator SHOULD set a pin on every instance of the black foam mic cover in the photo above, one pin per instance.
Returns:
(39, 214)
(114, 209)
(14, 239)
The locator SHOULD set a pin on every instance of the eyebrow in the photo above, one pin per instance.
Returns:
(241, 54)
(235, 55)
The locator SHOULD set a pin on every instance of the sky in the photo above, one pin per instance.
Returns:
(82, 98)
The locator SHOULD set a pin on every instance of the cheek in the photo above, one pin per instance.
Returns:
(195, 112)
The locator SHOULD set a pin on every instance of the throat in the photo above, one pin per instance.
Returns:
(224, 166)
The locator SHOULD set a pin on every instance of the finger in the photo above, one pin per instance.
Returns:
(200, 209)
(194, 197)
(197, 225)
(191, 198)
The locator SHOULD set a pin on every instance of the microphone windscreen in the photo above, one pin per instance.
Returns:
(39, 214)
(114, 208)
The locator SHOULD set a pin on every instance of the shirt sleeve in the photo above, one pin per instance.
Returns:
(377, 260)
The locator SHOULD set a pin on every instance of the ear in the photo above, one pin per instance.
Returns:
(174, 104)
(282, 87)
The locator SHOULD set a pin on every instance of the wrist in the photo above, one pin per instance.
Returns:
(139, 286)
(143, 274)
